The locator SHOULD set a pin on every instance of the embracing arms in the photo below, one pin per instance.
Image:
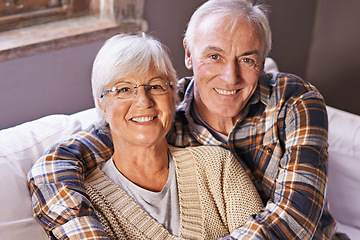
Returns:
(290, 168)
(56, 184)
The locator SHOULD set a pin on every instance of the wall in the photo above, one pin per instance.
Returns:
(47, 83)
(59, 81)
(317, 40)
(334, 58)
(292, 26)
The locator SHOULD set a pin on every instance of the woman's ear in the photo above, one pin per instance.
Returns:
(188, 56)
(102, 106)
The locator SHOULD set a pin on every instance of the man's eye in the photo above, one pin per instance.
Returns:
(248, 60)
(214, 56)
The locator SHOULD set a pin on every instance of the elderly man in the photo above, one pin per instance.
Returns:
(275, 125)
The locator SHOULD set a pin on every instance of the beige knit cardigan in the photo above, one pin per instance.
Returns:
(215, 197)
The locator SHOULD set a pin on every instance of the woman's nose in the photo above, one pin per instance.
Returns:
(143, 98)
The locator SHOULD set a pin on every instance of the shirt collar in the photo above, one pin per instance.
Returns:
(263, 89)
(199, 131)
(186, 94)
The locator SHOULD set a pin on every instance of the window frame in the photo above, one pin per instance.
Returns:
(20, 13)
(105, 19)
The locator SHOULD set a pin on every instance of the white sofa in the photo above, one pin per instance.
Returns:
(22, 145)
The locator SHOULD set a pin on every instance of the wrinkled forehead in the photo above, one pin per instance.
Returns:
(226, 22)
(228, 29)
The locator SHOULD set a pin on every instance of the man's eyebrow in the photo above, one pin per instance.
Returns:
(213, 48)
(220, 50)
(250, 53)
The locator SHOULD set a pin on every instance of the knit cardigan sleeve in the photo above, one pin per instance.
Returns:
(225, 188)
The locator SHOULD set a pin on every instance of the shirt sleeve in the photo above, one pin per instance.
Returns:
(80, 228)
(56, 184)
(296, 205)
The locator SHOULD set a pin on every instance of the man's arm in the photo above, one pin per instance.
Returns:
(56, 184)
(297, 201)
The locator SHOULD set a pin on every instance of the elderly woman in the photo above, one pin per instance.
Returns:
(150, 190)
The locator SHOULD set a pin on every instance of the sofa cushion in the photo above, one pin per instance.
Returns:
(344, 164)
(352, 232)
(20, 147)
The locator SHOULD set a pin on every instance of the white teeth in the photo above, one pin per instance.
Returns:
(225, 92)
(142, 119)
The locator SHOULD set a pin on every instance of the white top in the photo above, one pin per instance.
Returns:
(163, 206)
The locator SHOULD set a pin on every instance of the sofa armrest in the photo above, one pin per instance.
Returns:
(20, 147)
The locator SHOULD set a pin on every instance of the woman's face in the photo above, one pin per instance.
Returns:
(144, 119)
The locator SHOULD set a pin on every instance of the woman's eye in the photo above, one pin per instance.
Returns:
(156, 87)
(124, 89)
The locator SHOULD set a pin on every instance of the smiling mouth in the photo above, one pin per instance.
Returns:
(226, 92)
(142, 119)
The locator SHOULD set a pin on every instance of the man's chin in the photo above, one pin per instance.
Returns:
(226, 112)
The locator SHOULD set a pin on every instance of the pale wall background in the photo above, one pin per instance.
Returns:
(317, 40)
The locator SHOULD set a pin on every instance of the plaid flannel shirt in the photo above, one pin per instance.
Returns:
(281, 140)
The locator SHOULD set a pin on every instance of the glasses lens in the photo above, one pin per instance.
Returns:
(124, 90)
(157, 87)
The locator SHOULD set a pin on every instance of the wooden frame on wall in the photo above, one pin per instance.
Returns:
(104, 18)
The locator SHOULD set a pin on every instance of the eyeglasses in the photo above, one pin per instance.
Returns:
(126, 90)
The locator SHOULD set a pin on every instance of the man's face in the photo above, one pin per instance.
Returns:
(227, 59)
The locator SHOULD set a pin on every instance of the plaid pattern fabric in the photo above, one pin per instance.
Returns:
(281, 140)
(56, 184)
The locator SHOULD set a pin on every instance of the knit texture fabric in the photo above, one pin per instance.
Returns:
(215, 197)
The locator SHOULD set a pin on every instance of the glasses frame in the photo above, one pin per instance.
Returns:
(146, 87)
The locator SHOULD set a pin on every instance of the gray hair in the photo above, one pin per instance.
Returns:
(124, 55)
(252, 11)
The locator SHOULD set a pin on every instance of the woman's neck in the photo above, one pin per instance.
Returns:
(147, 167)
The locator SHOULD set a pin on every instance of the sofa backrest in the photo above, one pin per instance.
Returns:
(344, 166)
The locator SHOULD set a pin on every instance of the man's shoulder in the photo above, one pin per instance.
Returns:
(87, 140)
(288, 85)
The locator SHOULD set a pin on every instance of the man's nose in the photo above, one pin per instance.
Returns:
(231, 72)
(143, 98)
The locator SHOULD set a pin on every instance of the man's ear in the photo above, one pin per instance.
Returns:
(262, 66)
(188, 56)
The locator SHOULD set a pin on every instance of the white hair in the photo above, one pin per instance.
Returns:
(250, 10)
(124, 55)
